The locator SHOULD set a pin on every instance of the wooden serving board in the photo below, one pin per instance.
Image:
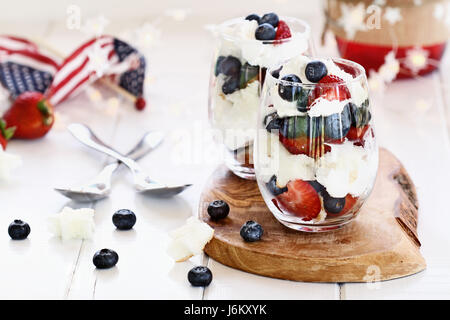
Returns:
(380, 244)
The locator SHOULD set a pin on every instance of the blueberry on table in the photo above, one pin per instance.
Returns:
(218, 209)
(105, 258)
(200, 276)
(290, 92)
(19, 230)
(333, 205)
(251, 231)
(315, 71)
(265, 31)
(274, 188)
(252, 16)
(229, 66)
(270, 18)
(337, 125)
(231, 85)
(124, 219)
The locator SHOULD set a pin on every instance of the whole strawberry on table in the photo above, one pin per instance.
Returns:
(30, 117)
(5, 134)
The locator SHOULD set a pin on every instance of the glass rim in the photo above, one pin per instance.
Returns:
(306, 34)
(361, 76)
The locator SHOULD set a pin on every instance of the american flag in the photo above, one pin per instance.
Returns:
(23, 67)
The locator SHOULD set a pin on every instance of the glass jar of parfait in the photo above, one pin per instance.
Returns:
(316, 156)
(245, 48)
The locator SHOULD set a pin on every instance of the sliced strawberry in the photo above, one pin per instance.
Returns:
(331, 88)
(314, 148)
(347, 68)
(5, 133)
(357, 135)
(349, 204)
(300, 200)
(283, 31)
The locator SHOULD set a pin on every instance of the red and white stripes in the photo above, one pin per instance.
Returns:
(22, 51)
(91, 61)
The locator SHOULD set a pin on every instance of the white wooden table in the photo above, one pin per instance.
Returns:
(45, 267)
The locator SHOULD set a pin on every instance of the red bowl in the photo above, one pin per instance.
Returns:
(372, 56)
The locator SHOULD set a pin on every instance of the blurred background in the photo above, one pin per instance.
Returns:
(116, 9)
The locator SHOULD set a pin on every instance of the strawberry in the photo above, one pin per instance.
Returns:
(31, 114)
(283, 31)
(301, 200)
(349, 204)
(305, 145)
(331, 88)
(357, 135)
(336, 207)
(5, 134)
(348, 68)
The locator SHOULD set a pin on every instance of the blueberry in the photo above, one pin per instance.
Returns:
(333, 205)
(274, 188)
(251, 231)
(200, 276)
(270, 18)
(231, 85)
(273, 122)
(361, 116)
(276, 73)
(290, 92)
(124, 219)
(105, 258)
(253, 16)
(248, 74)
(315, 70)
(19, 230)
(302, 102)
(317, 186)
(229, 66)
(337, 126)
(294, 127)
(217, 69)
(265, 32)
(218, 209)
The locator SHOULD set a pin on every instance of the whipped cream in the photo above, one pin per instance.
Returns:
(283, 107)
(358, 93)
(8, 163)
(235, 114)
(296, 66)
(347, 169)
(73, 223)
(324, 107)
(276, 160)
(239, 41)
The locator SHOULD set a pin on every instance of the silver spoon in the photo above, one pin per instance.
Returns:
(100, 187)
(142, 182)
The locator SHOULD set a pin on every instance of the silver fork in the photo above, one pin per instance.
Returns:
(142, 182)
(100, 187)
